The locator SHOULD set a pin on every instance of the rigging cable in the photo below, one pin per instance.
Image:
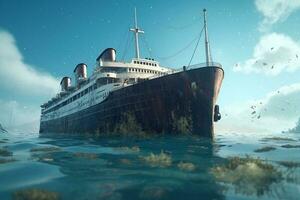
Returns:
(196, 47)
(147, 45)
(128, 41)
(180, 51)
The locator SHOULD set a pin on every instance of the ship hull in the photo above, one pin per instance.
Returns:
(182, 102)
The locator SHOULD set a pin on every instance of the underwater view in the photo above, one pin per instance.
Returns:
(232, 166)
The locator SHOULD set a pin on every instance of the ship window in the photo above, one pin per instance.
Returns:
(134, 62)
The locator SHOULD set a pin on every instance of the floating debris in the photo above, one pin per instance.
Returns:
(248, 175)
(272, 48)
(45, 149)
(272, 67)
(35, 194)
(186, 166)
(158, 160)
(264, 149)
(253, 112)
(297, 56)
(264, 64)
(5, 153)
(290, 146)
(90, 156)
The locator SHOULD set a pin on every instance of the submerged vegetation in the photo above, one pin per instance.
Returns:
(186, 166)
(265, 149)
(158, 160)
(128, 126)
(181, 124)
(248, 175)
(35, 194)
(134, 149)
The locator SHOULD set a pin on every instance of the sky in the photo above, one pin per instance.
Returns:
(256, 41)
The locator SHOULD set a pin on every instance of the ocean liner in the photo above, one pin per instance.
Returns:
(137, 96)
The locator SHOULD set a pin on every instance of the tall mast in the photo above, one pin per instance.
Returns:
(207, 49)
(136, 32)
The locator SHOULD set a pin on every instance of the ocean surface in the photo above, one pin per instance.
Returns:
(232, 166)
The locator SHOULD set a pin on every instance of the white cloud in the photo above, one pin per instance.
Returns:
(19, 76)
(273, 54)
(24, 81)
(277, 111)
(275, 11)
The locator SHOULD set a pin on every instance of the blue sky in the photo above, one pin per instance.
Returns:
(53, 36)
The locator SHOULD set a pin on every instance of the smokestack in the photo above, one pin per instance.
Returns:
(80, 73)
(65, 84)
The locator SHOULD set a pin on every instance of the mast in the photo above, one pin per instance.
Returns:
(207, 48)
(136, 32)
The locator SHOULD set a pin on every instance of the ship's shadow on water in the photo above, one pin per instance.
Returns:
(185, 167)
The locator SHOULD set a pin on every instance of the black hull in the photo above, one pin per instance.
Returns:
(178, 103)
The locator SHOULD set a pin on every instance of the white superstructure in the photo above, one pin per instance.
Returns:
(108, 75)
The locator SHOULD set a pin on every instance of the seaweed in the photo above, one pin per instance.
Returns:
(256, 174)
(128, 126)
(158, 160)
(35, 194)
(182, 125)
(134, 149)
(186, 166)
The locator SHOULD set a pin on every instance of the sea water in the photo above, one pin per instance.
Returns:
(231, 166)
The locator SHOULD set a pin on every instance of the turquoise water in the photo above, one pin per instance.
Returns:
(152, 168)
